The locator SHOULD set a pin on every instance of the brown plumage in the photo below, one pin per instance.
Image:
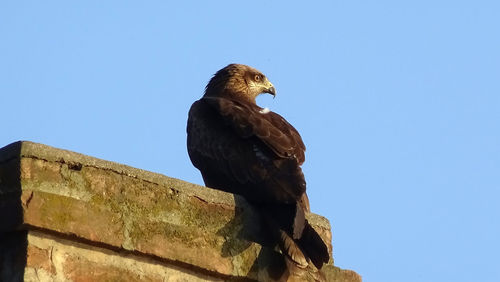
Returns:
(244, 149)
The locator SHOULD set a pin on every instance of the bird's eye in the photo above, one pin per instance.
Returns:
(257, 77)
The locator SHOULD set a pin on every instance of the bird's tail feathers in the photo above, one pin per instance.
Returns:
(304, 257)
(299, 221)
(297, 238)
(290, 248)
(313, 246)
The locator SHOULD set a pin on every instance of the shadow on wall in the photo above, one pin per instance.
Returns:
(13, 241)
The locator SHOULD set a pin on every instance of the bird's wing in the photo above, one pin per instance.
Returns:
(248, 120)
(238, 154)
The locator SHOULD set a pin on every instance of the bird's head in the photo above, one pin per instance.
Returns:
(239, 82)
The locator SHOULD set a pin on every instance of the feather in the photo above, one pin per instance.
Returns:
(244, 149)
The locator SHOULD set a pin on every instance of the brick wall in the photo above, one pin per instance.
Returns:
(71, 217)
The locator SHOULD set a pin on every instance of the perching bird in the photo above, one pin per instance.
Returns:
(244, 149)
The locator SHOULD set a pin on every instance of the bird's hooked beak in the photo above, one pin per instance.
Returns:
(269, 88)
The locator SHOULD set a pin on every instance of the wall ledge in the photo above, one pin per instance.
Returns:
(78, 218)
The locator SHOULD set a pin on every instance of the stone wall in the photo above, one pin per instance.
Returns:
(71, 217)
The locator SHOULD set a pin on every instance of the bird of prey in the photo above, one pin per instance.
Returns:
(244, 149)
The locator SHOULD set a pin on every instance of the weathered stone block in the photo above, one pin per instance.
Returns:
(86, 219)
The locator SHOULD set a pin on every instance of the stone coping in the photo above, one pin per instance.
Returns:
(125, 209)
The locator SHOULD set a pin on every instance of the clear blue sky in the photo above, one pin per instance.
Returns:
(398, 104)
